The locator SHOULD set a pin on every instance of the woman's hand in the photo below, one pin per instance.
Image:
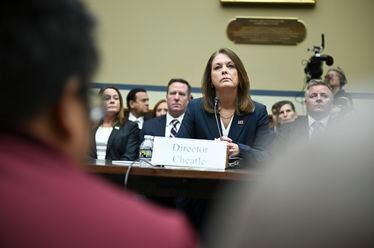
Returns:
(232, 147)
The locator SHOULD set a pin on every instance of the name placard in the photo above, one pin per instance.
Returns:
(194, 153)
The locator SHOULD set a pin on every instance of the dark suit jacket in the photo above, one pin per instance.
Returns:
(123, 143)
(155, 127)
(289, 133)
(294, 132)
(249, 130)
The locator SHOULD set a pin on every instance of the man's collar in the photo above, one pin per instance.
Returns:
(169, 118)
(134, 118)
(324, 121)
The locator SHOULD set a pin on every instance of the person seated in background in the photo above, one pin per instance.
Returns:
(114, 137)
(177, 98)
(319, 102)
(286, 112)
(226, 110)
(48, 56)
(160, 108)
(137, 101)
(343, 103)
(282, 112)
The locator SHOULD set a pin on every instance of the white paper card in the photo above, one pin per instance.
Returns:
(196, 153)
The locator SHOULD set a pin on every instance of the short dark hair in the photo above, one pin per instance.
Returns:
(284, 102)
(315, 82)
(180, 80)
(275, 108)
(131, 96)
(43, 44)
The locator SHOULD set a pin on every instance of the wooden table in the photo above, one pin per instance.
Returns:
(158, 181)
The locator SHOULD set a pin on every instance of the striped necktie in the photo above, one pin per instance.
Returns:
(174, 130)
(317, 128)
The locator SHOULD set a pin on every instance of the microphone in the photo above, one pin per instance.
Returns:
(216, 100)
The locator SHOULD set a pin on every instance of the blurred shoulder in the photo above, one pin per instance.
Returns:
(260, 108)
(129, 125)
(196, 102)
(300, 120)
(196, 106)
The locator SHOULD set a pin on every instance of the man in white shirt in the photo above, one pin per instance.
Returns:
(319, 102)
(177, 97)
(138, 105)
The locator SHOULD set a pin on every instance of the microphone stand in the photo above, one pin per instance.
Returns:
(216, 100)
(233, 162)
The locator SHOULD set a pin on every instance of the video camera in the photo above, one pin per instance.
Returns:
(314, 66)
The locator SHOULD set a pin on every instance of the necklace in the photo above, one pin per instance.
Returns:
(226, 117)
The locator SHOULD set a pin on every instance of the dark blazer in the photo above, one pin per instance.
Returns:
(155, 127)
(289, 133)
(123, 143)
(296, 131)
(249, 130)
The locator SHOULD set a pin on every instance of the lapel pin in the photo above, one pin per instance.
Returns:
(240, 122)
(116, 127)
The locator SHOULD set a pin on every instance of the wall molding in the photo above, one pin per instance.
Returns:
(254, 92)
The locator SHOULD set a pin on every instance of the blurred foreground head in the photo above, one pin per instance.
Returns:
(47, 57)
(317, 195)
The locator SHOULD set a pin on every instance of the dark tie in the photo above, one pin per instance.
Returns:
(174, 130)
(317, 128)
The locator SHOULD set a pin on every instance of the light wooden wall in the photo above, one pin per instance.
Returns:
(148, 42)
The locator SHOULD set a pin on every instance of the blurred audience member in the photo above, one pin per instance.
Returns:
(114, 137)
(47, 57)
(286, 112)
(343, 103)
(138, 106)
(282, 112)
(161, 108)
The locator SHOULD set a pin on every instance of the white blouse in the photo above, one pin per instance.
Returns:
(225, 131)
(101, 138)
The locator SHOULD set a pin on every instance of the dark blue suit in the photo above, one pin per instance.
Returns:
(155, 127)
(249, 130)
(295, 131)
